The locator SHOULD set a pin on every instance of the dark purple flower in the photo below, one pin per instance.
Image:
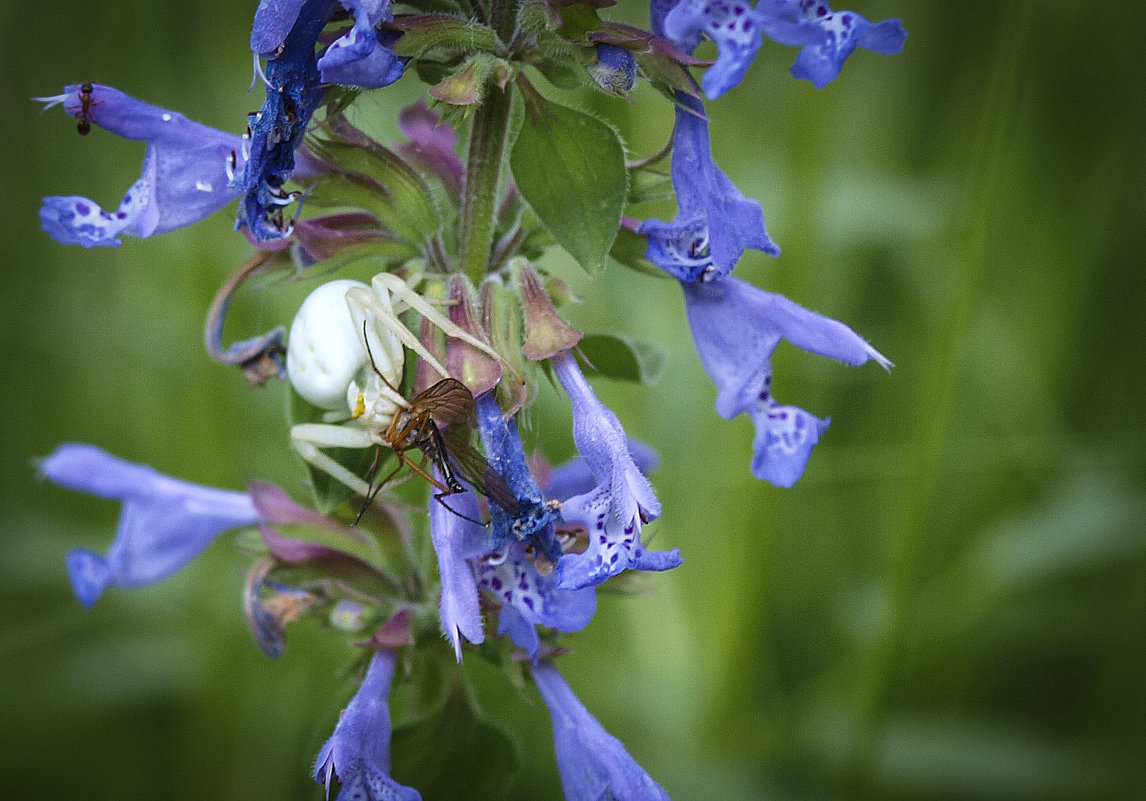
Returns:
(620, 503)
(293, 92)
(736, 327)
(359, 750)
(186, 170)
(165, 522)
(594, 764)
(432, 146)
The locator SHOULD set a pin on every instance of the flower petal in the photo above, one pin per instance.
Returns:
(165, 523)
(715, 222)
(457, 541)
(735, 328)
(594, 765)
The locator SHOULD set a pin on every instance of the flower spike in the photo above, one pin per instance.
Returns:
(164, 525)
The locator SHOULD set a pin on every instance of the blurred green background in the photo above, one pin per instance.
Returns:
(949, 605)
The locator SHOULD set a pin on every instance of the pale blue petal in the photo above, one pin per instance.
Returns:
(594, 764)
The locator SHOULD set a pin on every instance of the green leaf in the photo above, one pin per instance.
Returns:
(625, 358)
(570, 168)
(404, 201)
(452, 753)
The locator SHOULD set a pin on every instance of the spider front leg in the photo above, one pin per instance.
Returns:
(308, 438)
(386, 284)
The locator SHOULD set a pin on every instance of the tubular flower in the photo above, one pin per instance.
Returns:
(715, 223)
(594, 764)
(165, 522)
(186, 170)
(457, 541)
(358, 751)
(277, 130)
(620, 503)
(736, 327)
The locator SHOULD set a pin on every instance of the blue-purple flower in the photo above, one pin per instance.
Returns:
(165, 523)
(594, 764)
(714, 223)
(458, 543)
(738, 30)
(843, 32)
(827, 37)
(613, 511)
(186, 170)
(532, 524)
(286, 32)
(736, 327)
(357, 58)
(531, 598)
(358, 752)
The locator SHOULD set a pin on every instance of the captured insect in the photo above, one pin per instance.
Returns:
(346, 354)
(83, 123)
(423, 425)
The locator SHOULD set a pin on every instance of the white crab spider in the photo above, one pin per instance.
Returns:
(329, 365)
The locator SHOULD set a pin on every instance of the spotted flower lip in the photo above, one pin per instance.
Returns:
(530, 598)
(165, 522)
(594, 764)
(613, 511)
(184, 177)
(735, 328)
(827, 37)
(358, 752)
(843, 31)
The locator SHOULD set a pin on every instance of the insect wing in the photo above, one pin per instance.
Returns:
(447, 401)
(474, 468)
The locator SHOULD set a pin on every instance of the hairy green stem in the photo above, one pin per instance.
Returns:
(483, 178)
